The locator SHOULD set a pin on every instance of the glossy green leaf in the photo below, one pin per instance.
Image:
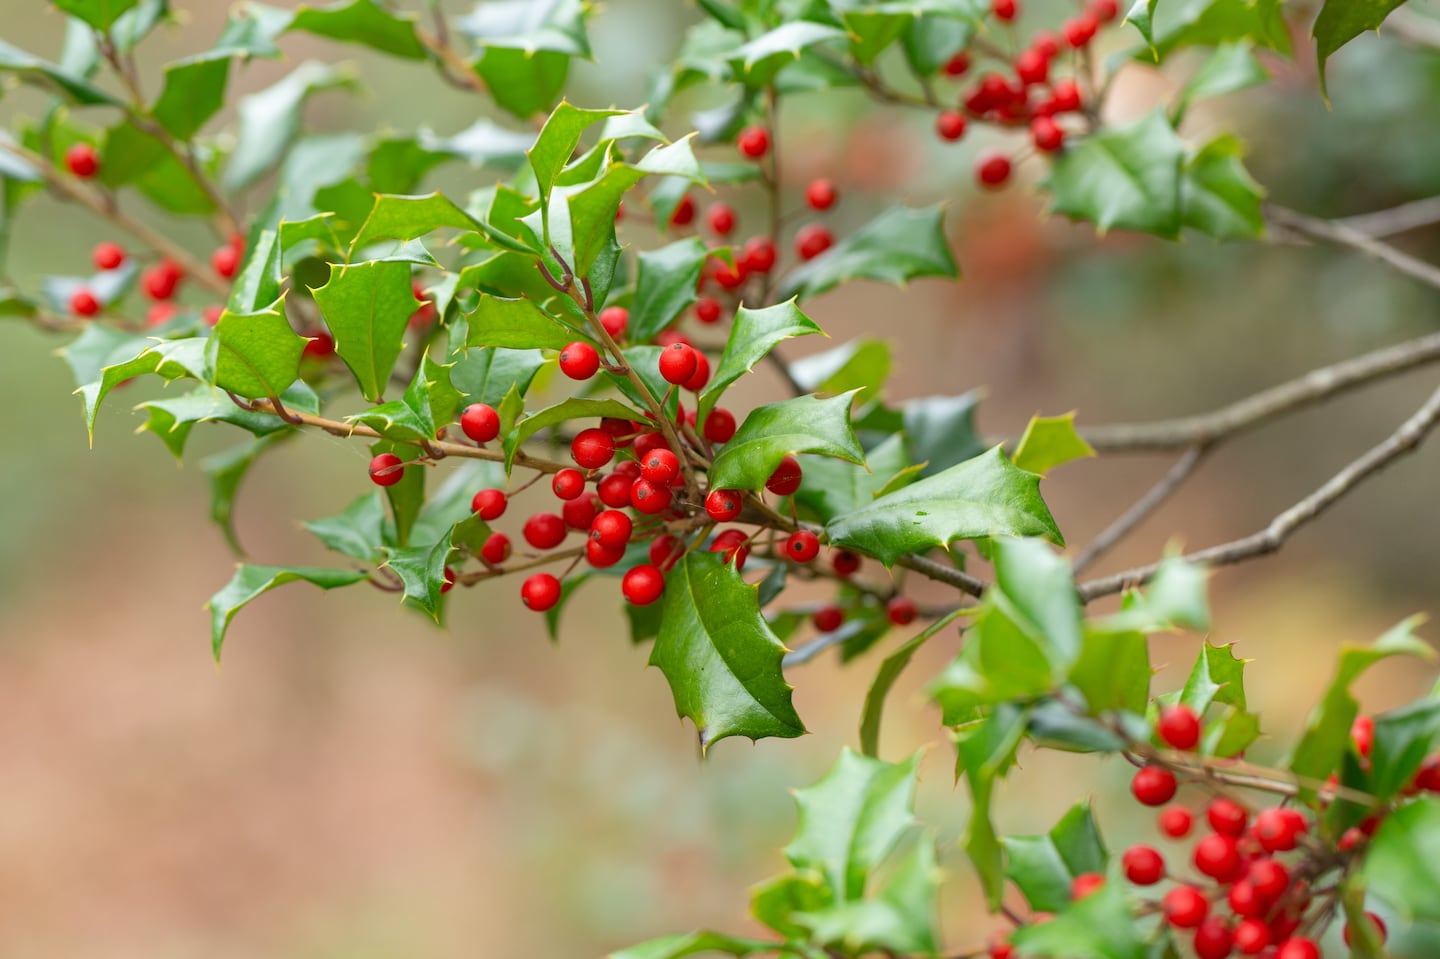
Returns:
(258, 284)
(524, 83)
(137, 158)
(362, 22)
(557, 142)
(897, 919)
(257, 355)
(1124, 178)
(270, 119)
(805, 424)
(930, 41)
(986, 752)
(429, 402)
(665, 282)
(753, 334)
(1218, 676)
(407, 497)
(1043, 867)
(358, 531)
(171, 359)
(1001, 661)
(421, 570)
(367, 307)
(485, 375)
(574, 408)
(32, 69)
(835, 487)
(173, 419)
(395, 217)
(1142, 17)
(1341, 21)
(226, 471)
(693, 944)
(1218, 195)
(1100, 926)
(1404, 738)
(592, 215)
(250, 582)
(719, 656)
(940, 431)
(1050, 441)
(193, 92)
(898, 246)
(758, 61)
(1214, 22)
(1232, 67)
(100, 14)
(1173, 599)
(1113, 671)
(860, 364)
(885, 678)
(644, 361)
(874, 29)
(1402, 864)
(517, 325)
(982, 497)
(251, 31)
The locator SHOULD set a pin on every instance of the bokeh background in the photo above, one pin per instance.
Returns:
(354, 783)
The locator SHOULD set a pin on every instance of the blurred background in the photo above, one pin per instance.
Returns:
(355, 783)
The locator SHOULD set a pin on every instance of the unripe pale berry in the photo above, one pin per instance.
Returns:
(489, 504)
(802, 546)
(950, 125)
(225, 261)
(821, 194)
(828, 618)
(82, 160)
(812, 239)
(480, 422)
(612, 529)
(720, 218)
(107, 255)
(719, 425)
(754, 142)
(83, 303)
(592, 448)
(540, 592)
(496, 549)
(993, 170)
(1179, 727)
(643, 584)
(615, 319)
(678, 362)
(723, 505)
(579, 361)
(544, 530)
(901, 610)
(1185, 907)
(786, 478)
(568, 483)
(1153, 786)
(1144, 866)
(387, 469)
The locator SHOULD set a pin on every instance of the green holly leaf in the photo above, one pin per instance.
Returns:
(518, 324)
(1100, 926)
(367, 307)
(1142, 17)
(940, 431)
(592, 215)
(270, 119)
(172, 420)
(885, 678)
(358, 532)
(483, 143)
(872, 30)
(574, 408)
(753, 334)
(1003, 660)
(1404, 738)
(42, 73)
(250, 582)
(251, 31)
(1218, 195)
(256, 355)
(931, 40)
(985, 752)
(983, 497)
(1124, 177)
(805, 424)
(226, 471)
(1211, 23)
(1218, 676)
(644, 361)
(692, 944)
(835, 487)
(1050, 441)
(1232, 67)
(862, 365)
(429, 403)
(527, 49)
(896, 247)
(486, 375)
(449, 504)
(100, 14)
(1402, 864)
(396, 217)
(171, 359)
(1174, 599)
(258, 284)
(137, 158)
(362, 22)
(757, 62)
(665, 282)
(719, 656)
(422, 572)
(898, 919)
(1113, 671)
(524, 84)
(193, 92)
(1341, 21)
(1043, 867)
(557, 142)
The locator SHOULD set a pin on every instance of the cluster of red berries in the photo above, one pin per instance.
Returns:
(1022, 94)
(160, 283)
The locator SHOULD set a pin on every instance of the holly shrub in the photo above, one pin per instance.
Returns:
(541, 370)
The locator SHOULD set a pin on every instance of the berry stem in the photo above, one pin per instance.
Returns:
(468, 579)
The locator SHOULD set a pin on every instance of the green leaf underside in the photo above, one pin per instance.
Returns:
(250, 582)
(719, 656)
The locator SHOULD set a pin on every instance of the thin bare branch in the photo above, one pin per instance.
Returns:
(1404, 440)
(1334, 231)
(1142, 508)
(1398, 219)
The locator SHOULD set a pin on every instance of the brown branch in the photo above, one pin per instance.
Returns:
(1398, 219)
(1126, 523)
(1312, 387)
(1333, 231)
(453, 67)
(1404, 440)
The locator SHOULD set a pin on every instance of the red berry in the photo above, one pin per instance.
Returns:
(802, 546)
(678, 362)
(732, 543)
(957, 65)
(1277, 830)
(615, 319)
(813, 239)
(489, 504)
(601, 556)
(160, 313)
(621, 431)
(1175, 822)
(212, 314)
(821, 194)
(544, 530)
(701, 376)
(643, 584)
(1245, 900)
(107, 255)
(1377, 926)
(1079, 31)
(660, 466)
(1047, 135)
(753, 142)
(1298, 948)
(1351, 839)
(568, 483)
(901, 610)
(592, 448)
(1428, 778)
(1045, 44)
(225, 261)
(731, 277)
(1179, 727)
(1144, 866)
(540, 592)
(160, 281)
(950, 125)
(496, 549)
(665, 551)
(480, 422)
(579, 361)
(721, 219)
(82, 160)
(707, 309)
(1213, 939)
(719, 425)
(844, 563)
(723, 505)
(447, 583)
(319, 345)
(1105, 10)
(612, 529)
(993, 170)
(650, 498)
(1084, 884)
(1218, 857)
(614, 490)
(644, 444)
(684, 213)
(1269, 878)
(83, 303)
(1185, 907)
(1032, 67)
(1153, 786)
(828, 618)
(1004, 9)
(387, 469)
(580, 512)
(1251, 936)
(1227, 817)
(758, 254)
(1362, 734)
(1065, 96)
(786, 478)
